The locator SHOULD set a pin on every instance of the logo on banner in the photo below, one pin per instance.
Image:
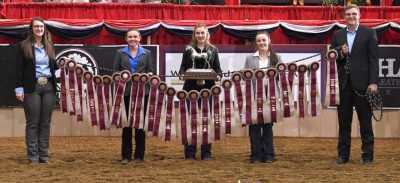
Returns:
(82, 58)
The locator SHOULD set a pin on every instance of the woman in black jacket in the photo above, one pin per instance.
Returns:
(36, 88)
(207, 58)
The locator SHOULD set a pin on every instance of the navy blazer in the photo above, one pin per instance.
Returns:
(145, 65)
(363, 57)
(26, 71)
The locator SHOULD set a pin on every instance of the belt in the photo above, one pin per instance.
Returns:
(43, 80)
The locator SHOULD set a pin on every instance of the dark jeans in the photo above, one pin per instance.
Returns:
(38, 107)
(348, 99)
(190, 151)
(262, 142)
(140, 136)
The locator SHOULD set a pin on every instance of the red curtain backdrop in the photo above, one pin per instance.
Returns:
(121, 11)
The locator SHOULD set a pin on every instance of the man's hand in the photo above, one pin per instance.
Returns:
(373, 88)
(20, 97)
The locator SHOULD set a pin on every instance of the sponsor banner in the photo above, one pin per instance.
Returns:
(389, 75)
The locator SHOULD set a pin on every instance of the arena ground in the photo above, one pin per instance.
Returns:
(96, 159)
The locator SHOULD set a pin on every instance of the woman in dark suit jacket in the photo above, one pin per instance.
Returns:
(136, 59)
(262, 145)
(36, 87)
(200, 45)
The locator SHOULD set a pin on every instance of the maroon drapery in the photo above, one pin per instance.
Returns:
(122, 11)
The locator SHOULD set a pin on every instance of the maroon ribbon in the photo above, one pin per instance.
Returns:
(248, 101)
(160, 101)
(119, 125)
(106, 88)
(291, 79)
(205, 117)
(216, 116)
(285, 94)
(91, 102)
(301, 94)
(260, 100)
(182, 109)
(152, 107)
(193, 120)
(239, 97)
(71, 81)
(134, 91)
(228, 110)
(332, 83)
(313, 75)
(139, 104)
(79, 81)
(115, 115)
(272, 98)
(99, 90)
(63, 91)
(168, 119)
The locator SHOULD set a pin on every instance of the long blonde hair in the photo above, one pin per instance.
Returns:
(46, 41)
(194, 41)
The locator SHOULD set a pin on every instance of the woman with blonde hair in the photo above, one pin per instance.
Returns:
(209, 59)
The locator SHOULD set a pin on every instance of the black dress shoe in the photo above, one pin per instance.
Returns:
(341, 160)
(269, 160)
(367, 161)
(254, 161)
(190, 158)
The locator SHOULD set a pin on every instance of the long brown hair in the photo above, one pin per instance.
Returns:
(46, 41)
(272, 55)
(194, 41)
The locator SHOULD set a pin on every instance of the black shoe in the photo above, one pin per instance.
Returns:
(269, 160)
(190, 158)
(255, 161)
(206, 158)
(124, 161)
(367, 161)
(341, 160)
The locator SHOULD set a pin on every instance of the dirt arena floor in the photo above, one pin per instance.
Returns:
(96, 159)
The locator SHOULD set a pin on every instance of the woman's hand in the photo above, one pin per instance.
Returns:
(20, 97)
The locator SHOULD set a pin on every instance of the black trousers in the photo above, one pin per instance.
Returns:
(190, 151)
(140, 136)
(262, 142)
(348, 99)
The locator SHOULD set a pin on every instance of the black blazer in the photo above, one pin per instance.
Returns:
(26, 72)
(145, 65)
(187, 64)
(363, 57)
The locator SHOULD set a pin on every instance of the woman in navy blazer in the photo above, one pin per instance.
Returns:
(36, 87)
(261, 136)
(136, 59)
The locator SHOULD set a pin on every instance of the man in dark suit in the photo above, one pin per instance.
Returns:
(357, 66)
